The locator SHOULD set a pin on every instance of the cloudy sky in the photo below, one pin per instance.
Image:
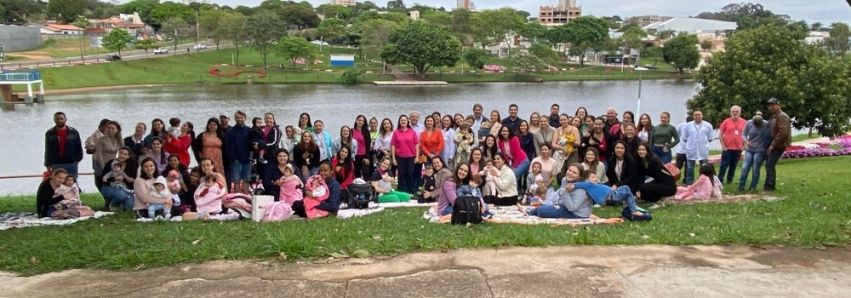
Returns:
(824, 11)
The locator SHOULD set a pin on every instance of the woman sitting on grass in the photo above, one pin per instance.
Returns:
(662, 185)
(571, 202)
(142, 198)
(505, 182)
(592, 162)
(382, 182)
(622, 169)
(210, 204)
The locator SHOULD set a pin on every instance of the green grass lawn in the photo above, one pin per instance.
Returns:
(814, 213)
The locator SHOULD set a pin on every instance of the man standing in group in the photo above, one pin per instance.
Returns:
(63, 147)
(680, 149)
(613, 127)
(732, 144)
(237, 148)
(781, 131)
(478, 118)
(552, 120)
(696, 136)
(414, 118)
(512, 121)
(224, 122)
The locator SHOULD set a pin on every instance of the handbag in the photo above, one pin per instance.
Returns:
(672, 170)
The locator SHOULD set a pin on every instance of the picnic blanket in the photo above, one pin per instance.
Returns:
(510, 214)
(727, 199)
(31, 219)
(350, 213)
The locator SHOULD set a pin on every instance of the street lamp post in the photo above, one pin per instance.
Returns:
(638, 108)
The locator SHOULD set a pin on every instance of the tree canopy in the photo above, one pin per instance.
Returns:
(772, 61)
(116, 40)
(682, 51)
(423, 46)
(294, 48)
(583, 34)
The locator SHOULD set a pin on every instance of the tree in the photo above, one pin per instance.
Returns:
(585, 33)
(232, 28)
(174, 28)
(145, 44)
(335, 11)
(682, 51)
(208, 21)
(533, 30)
(837, 44)
(492, 25)
(462, 26)
(746, 15)
(116, 40)
(437, 18)
(169, 10)
(545, 52)
(665, 34)
(143, 7)
(65, 11)
(769, 61)
(423, 46)
(294, 47)
(82, 23)
(475, 58)
(375, 32)
(632, 37)
(263, 30)
(706, 44)
(527, 63)
(331, 28)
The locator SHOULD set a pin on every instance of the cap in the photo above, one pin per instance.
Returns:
(773, 101)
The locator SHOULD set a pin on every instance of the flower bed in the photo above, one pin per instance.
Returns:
(820, 149)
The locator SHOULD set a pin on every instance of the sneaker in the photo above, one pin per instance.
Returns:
(176, 218)
(597, 206)
(262, 160)
(252, 162)
(159, 217)
(144, 219)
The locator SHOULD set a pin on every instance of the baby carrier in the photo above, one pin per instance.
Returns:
(360, 194)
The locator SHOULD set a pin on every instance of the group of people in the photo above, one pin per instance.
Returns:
(560, 164)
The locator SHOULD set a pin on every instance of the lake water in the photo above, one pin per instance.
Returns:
(22, 129)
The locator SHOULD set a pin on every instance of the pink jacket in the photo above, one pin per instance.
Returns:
(310, 202)
(291, 191)
(515, 156)
(447, 195)
(209, 200)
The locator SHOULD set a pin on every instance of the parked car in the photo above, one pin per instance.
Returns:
(160, 51)
(199, 47)
(113, 58)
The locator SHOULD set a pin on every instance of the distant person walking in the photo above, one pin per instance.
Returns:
(63, 148)
(781, 132)
(732, 144)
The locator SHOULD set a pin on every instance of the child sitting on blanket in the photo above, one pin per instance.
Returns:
(706, 187)
(159, 191)
(604, 194)
(290, 186)
(531, 181)
(69, 191)
(208, 197)
(117, 176)
(175, 186)
(426, 191)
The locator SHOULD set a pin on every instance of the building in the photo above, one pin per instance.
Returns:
(131, 23)
(19, 38)
(415, 15)
(466, 5)
(816, 37)
(60, 29)
(343, 2)
(642, 21)
(701, 27)
(553, 16)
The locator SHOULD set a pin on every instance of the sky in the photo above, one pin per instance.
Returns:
(824, 11)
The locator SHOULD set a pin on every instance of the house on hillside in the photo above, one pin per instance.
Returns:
(131, 23)
(60, 29)
(701, 27)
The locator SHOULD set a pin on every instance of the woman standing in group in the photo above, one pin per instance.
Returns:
(630, 139)
(136, 141)
(664, 137)
(628, 117)
(622, 169)
(274, 171)
(465, 140)
(382, 142)
(543, 136)
(598, 139)
(527, 139)
(180, 145)
(345, 140)
(106, 149)
(534, 123)
(403, 152)
(431, 142)
(491, 127)
(644, 127)
(156, 153)
(306, 156)
(363, 138)
(289, 139)
(565, 143)
(514, 155)
(373, 128)
(157, 131)
(304, 124)
(343, 167)
(448, 130)
(581, 113)
(209, 144)
(662, 185)
(271, 135)
(489, 148)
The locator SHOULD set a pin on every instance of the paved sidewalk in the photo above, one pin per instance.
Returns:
(584, 271)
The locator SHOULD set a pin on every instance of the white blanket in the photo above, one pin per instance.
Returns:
(30, 219)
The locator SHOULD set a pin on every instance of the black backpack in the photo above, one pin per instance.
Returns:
(467, 209)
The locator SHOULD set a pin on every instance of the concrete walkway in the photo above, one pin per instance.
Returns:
(642, 271)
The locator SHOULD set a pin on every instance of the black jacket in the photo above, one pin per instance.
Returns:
(73, 152)
(44, 198)
(629, 174)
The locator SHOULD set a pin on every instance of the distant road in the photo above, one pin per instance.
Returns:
(101, 57)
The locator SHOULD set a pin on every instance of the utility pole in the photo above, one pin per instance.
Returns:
(197, 31)
(175, 42)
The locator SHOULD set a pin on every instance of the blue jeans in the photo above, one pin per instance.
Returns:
(689, 176)
(152, 210)
(520, 173)
(70, 167)
(117, 197)
(752, 159)
(623, 195)
(239, 172)
(446, 211)
(729, 161)
(664, 156)
(548, 211)
(770, 174)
